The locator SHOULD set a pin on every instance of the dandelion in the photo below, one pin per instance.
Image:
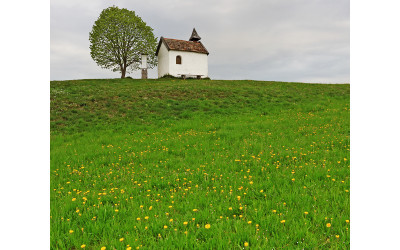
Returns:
(151, 207)
(249, 222)
(195, 210)
(238, 198)
(165, 226)
(347, 221)
(337, 236)
(207, 226)
(138, 219)
(328, 225)
(171, 220)
(116, 210)
(230, 208)
(73, 199)
(283, 221)
(185, 223)
(274, 211)
(293, 179)
(246, 244)
(306, 213)
(71, 231)
(122, 239)
(83, 246)
(146, 217)
(103, 248)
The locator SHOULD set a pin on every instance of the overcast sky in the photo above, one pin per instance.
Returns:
(276, 40)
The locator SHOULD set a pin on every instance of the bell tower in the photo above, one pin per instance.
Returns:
(194, 37)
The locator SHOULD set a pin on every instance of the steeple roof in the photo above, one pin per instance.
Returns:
(194, 36)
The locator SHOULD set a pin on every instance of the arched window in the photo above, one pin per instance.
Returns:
(178, 60)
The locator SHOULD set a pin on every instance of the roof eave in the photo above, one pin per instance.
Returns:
(162, 40)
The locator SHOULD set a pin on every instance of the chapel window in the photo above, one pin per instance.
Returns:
(178, 60)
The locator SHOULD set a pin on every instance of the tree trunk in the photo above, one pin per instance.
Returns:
(123, 71)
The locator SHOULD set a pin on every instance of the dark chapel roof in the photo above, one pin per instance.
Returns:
(194, 45)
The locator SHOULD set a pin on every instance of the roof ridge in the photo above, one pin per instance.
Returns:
(176, 39)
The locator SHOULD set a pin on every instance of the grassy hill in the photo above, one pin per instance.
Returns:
(200, 164)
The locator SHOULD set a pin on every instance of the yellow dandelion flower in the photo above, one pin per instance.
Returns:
(146, 217)
(246, 244)
(151, 207)
(171, 220)
(165, 226)
(116, 210)
(71, 231)
(122, 239)
(337, 236)
(207, 226)
(249, 222)
(83, 246)
(274, 211)
(230, 208)
(293, 179)
(283, 221)
(185, 223)
(328, 225)
(103, 248)
(195, 210)
(306, 213)
(238, 198)
(74, 199)
(347, 221)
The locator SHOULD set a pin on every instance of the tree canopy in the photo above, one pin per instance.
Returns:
(118, 39)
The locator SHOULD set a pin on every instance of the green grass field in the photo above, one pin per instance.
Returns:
(205, 164)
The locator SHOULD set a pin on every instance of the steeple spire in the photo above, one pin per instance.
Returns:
(194, 37)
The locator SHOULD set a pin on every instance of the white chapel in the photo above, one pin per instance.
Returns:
(182, 58)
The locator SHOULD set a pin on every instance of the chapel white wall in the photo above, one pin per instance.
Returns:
(163, 61)
(192, 63)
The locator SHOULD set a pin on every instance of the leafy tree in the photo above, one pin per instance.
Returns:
(119, 38)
